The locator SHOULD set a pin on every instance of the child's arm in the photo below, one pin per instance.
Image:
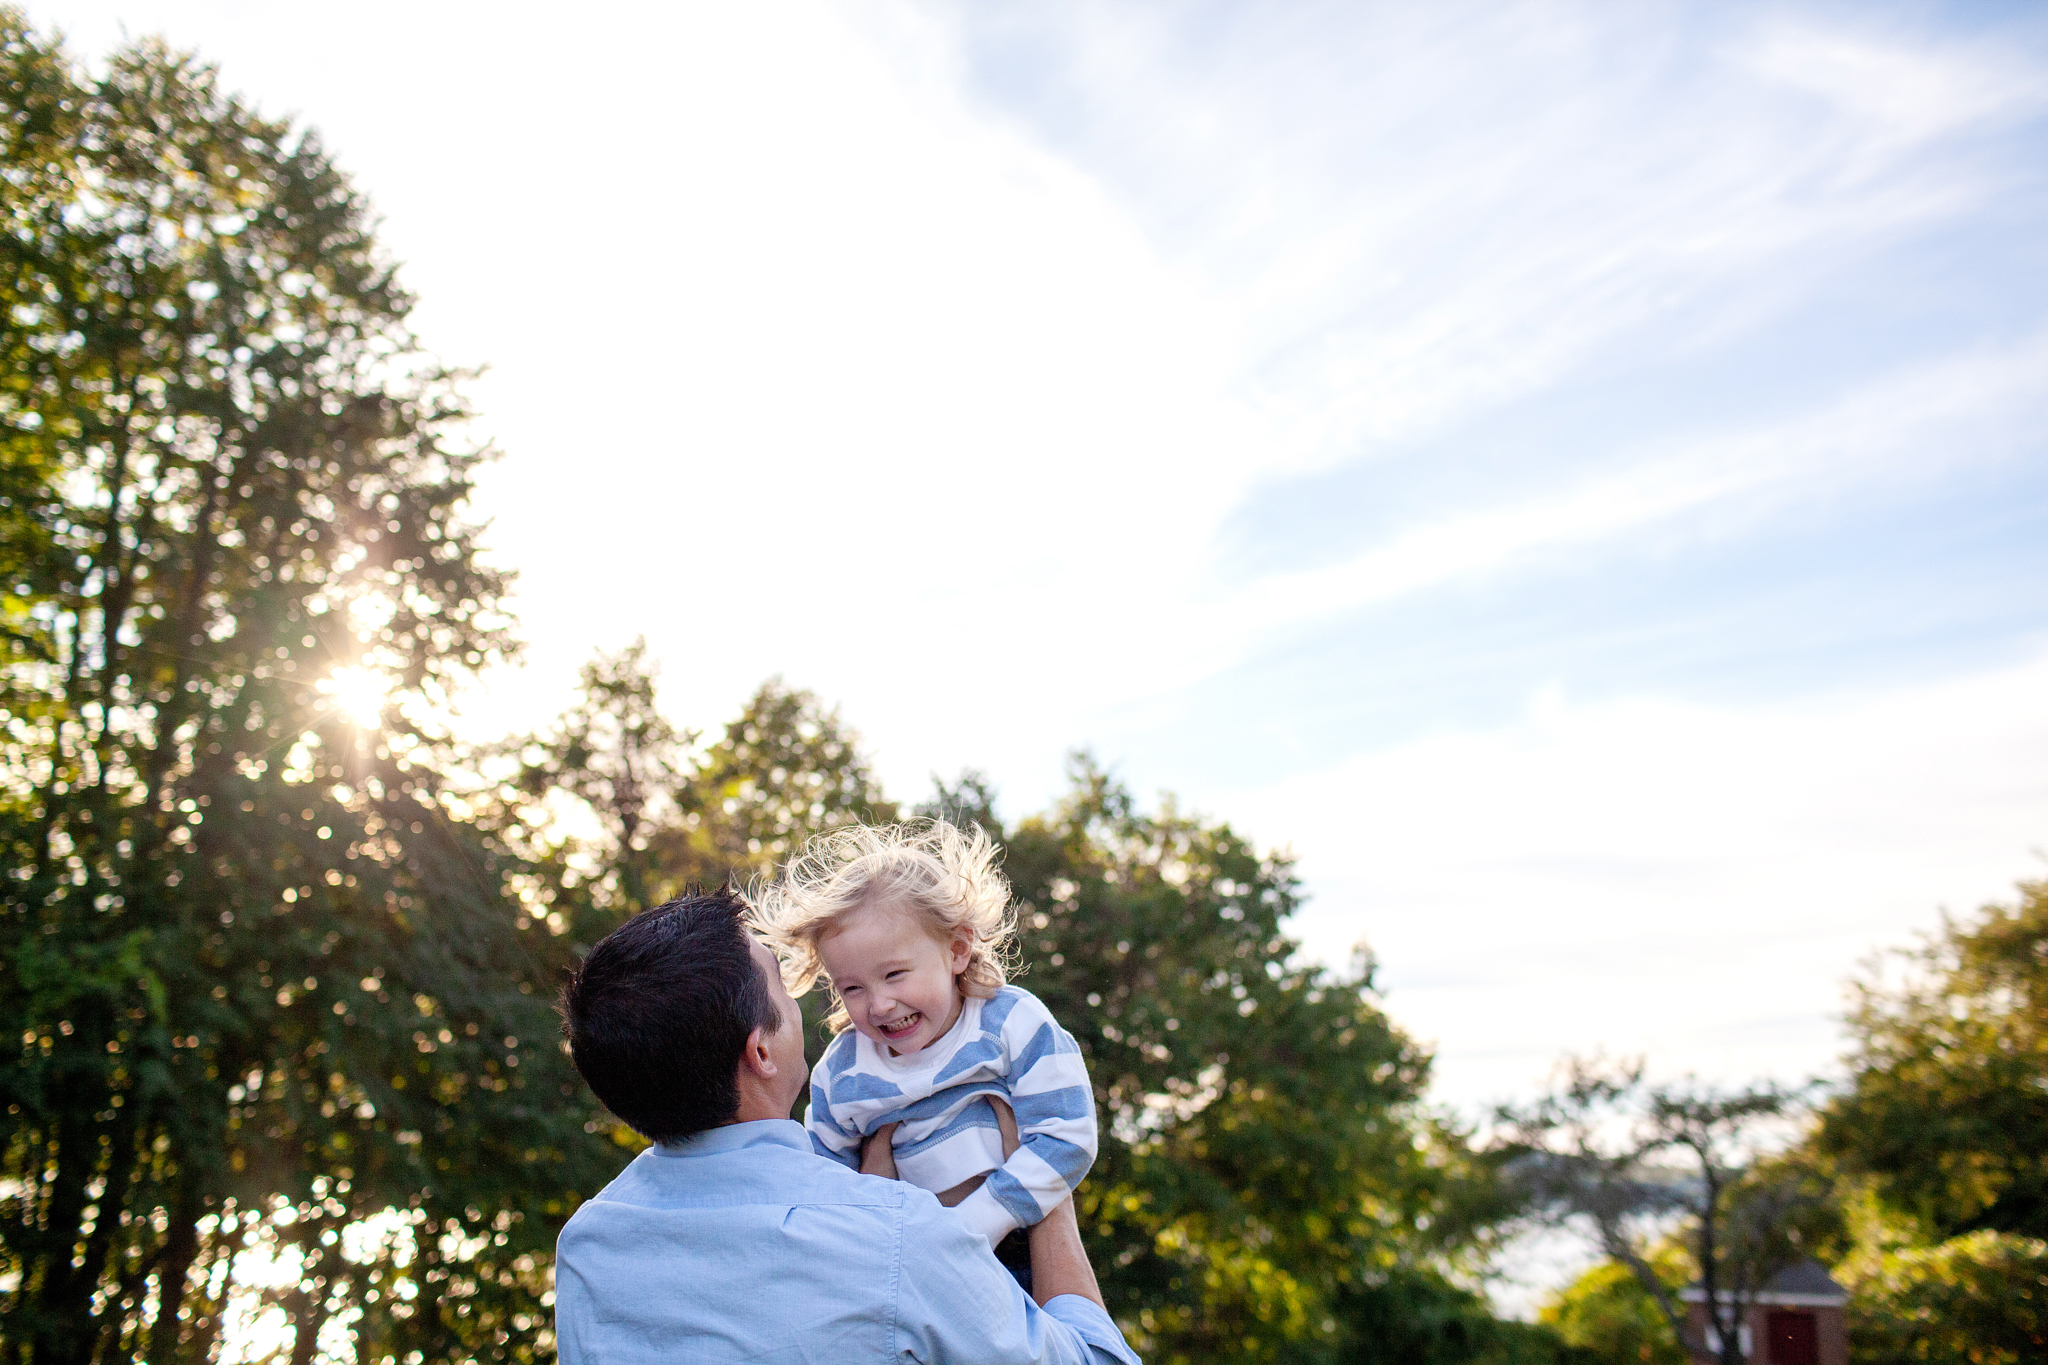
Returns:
(829, 1136)
(828, 1139)
(1055, 1110)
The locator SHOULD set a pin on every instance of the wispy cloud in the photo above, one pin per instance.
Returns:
(1899, 91)
(1412, 213)
(1899, 426)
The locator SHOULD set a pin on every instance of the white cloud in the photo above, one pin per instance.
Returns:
(1690, 881)
(1901, 91)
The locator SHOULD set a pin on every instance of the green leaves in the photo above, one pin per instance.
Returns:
(1948, 1106)
(1942, 1130)
(669, 812)
(788, 768)
(1980, 1299)
(1607, 1312)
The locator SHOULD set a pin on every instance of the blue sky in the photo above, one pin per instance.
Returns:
(1574, 473)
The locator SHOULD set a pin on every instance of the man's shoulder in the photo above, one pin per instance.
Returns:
(774, 1175)
(794, 1256)
(816, 1179)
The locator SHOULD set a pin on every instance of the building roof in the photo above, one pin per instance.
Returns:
(1803, 1284)
(1805, 1277)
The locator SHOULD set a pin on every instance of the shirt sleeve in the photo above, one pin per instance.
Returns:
(1055, 1109)
(829, 1138)
(1088, 1321)
(573, 1314)
(955, 1305)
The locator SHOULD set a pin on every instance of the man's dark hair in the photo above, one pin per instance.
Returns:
(658, 1015)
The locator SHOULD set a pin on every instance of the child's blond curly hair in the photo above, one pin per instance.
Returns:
(946, 875)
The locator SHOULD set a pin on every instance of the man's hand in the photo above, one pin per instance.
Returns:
(878, 1152)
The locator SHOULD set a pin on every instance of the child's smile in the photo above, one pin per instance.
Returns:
(902, 1028)
(897, 979)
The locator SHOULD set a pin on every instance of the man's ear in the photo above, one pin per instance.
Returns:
(756, 1057)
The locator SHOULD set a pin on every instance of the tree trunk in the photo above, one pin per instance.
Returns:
(63, 1327)
(305, 1306)
(206, 1315)
(181, 1248)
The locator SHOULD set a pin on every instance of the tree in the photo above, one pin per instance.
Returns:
(1947, 1105)
(1627, 1160)
(1942, 1131)
(627, 810)
(614, 757)
(1270, 1185)
(1977, 1299)
(269, 987)
(1607, 1313)
(787, 769)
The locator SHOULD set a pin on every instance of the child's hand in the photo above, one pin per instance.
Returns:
(878, 1152)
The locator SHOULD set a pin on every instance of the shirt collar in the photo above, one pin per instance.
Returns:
(733, 1136)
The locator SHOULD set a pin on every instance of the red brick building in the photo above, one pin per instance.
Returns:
(1796, 1320)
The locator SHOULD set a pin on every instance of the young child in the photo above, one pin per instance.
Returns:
(911, 925)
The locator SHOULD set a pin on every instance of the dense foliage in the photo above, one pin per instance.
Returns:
(629, 810)
(1943, 1129)
(1948, 1107)
(1607, 1313)
(1977, 1299)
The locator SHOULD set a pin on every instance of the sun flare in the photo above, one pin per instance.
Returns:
(358, 693)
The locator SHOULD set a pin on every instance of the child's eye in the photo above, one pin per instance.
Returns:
(848, 990)
(893, 975)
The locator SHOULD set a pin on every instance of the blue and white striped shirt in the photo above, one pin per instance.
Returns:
(1008, 1045)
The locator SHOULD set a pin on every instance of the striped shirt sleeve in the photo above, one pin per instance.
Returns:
(830, 1138)
(1055, 1108)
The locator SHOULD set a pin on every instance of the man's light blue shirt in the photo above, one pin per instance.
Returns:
(743, 1244)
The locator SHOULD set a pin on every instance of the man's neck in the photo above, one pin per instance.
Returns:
(744, 1116)
(758, 1102)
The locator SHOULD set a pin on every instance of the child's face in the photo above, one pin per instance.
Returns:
(898, 981)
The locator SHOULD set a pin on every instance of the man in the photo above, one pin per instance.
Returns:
(730, 1239)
